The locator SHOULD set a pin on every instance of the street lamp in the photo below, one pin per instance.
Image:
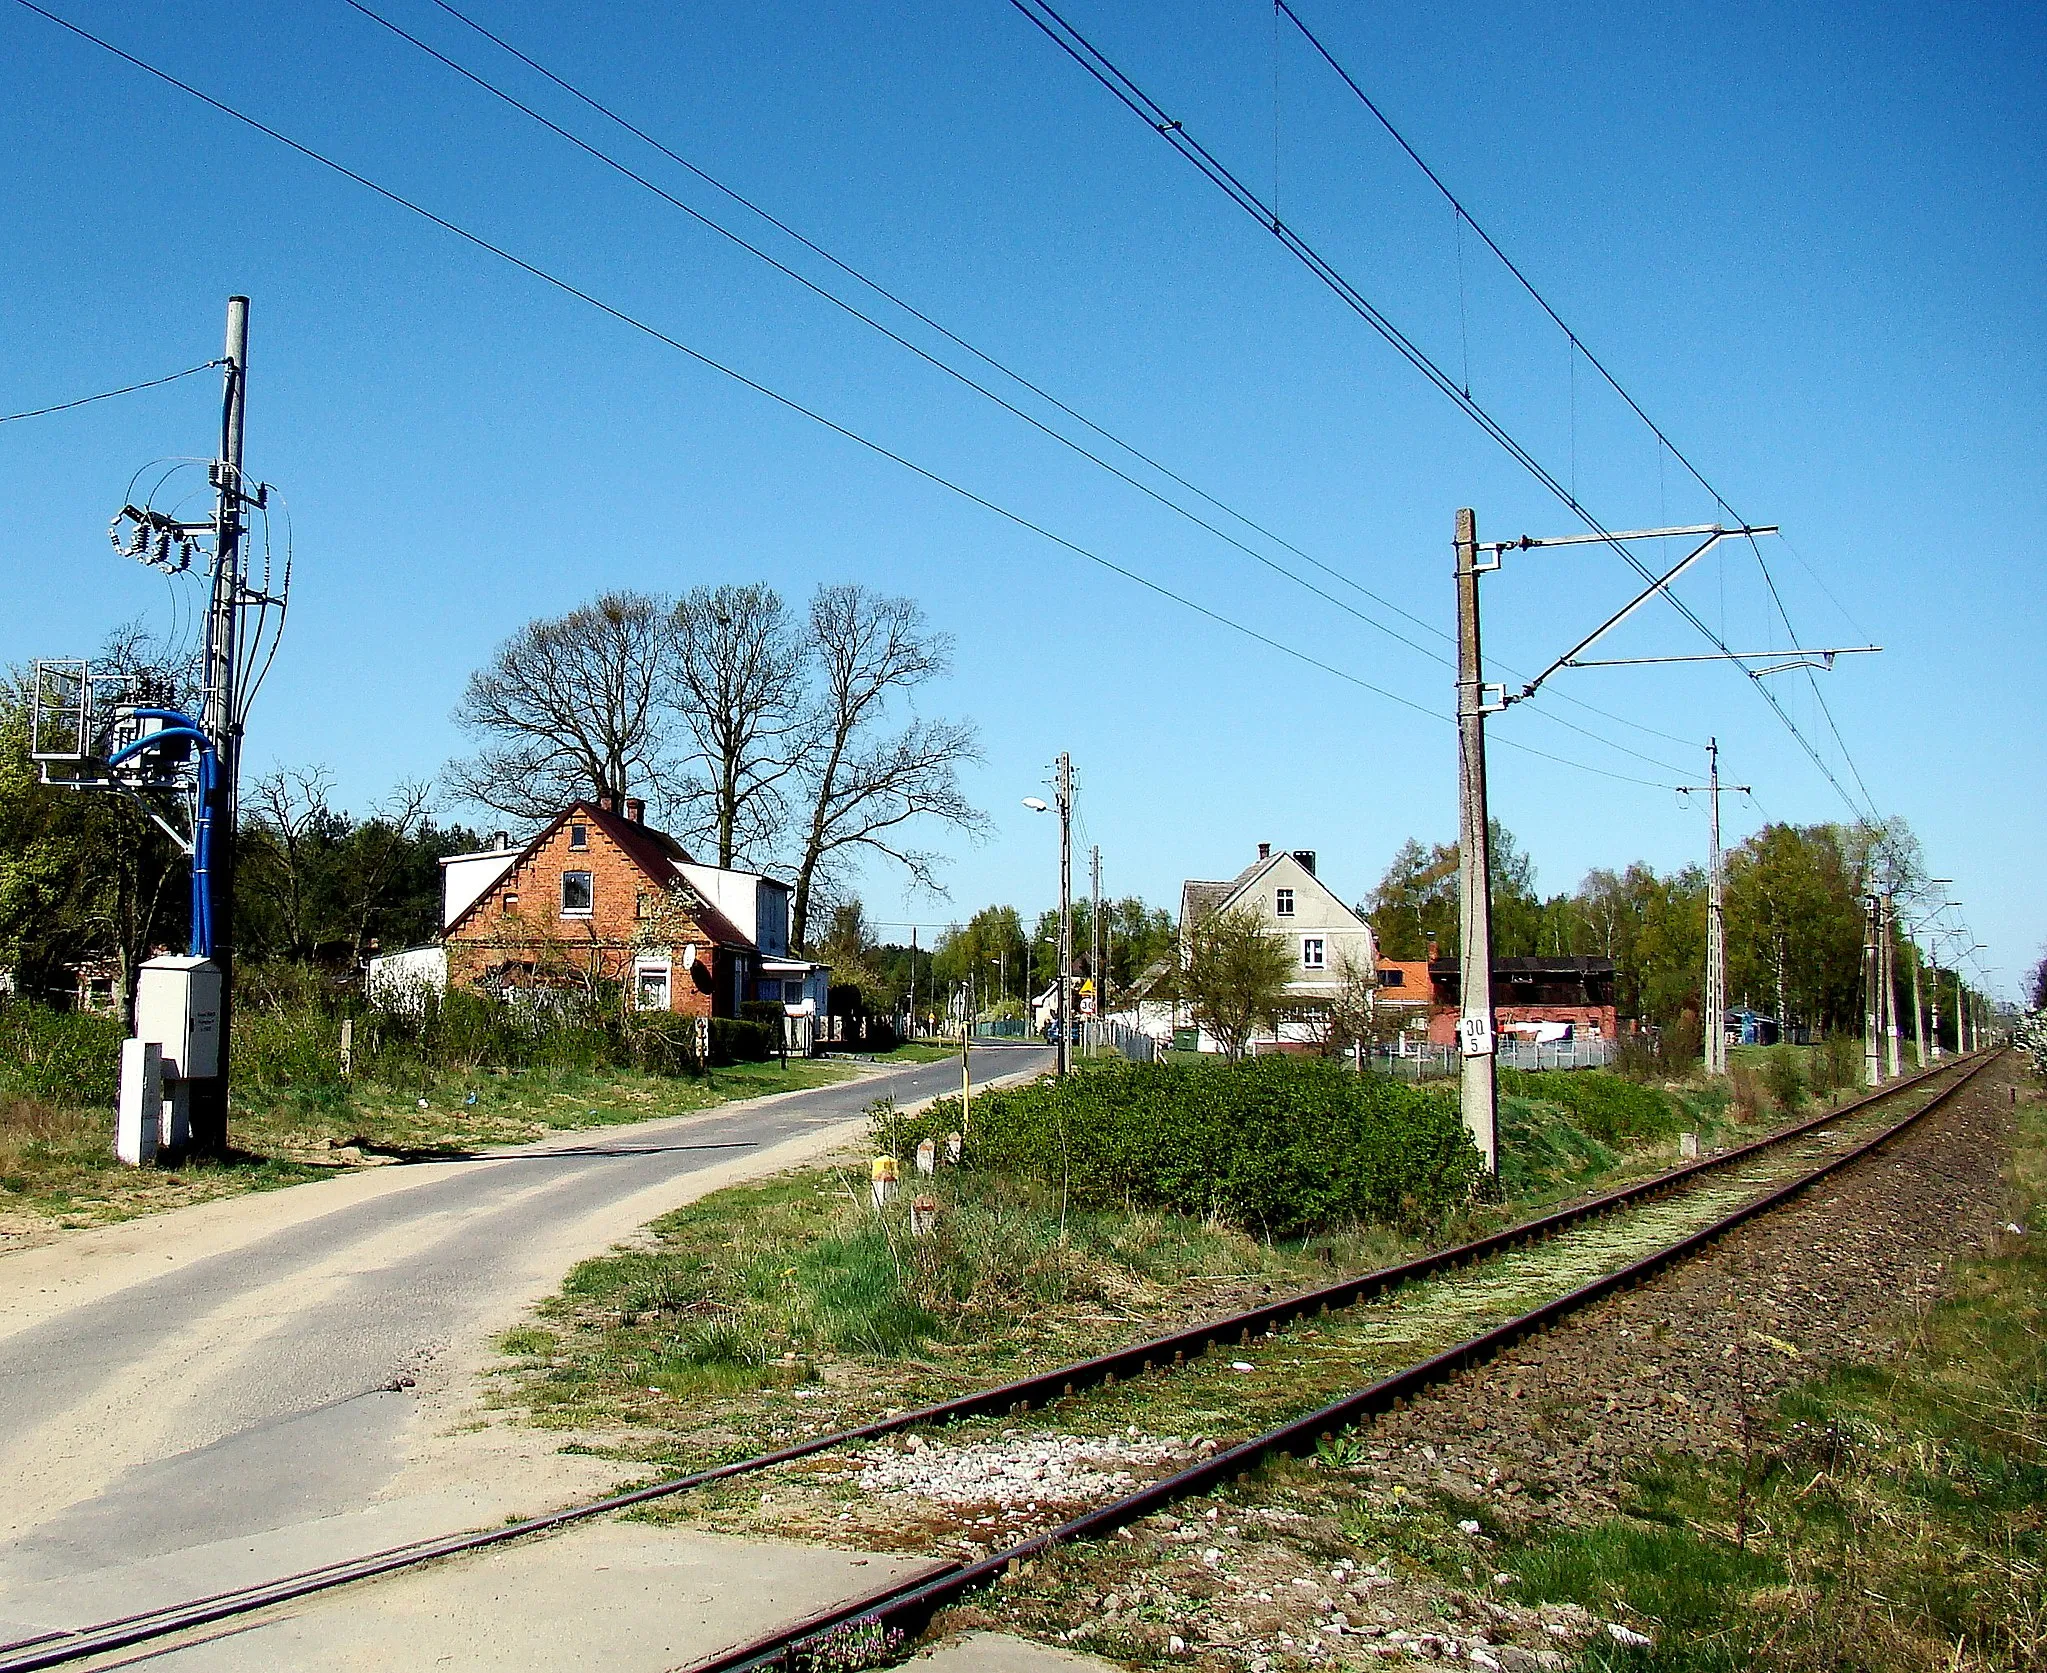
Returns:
(1037, 804)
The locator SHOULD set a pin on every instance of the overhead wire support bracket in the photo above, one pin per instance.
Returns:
(1825, 654)
(1658, 584)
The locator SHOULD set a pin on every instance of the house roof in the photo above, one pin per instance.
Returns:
(659, 857)
(1198, 898)
(1554, 965)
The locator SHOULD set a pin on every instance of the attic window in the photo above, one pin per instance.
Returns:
(643, 907)
(579, 836)
(579, 894)
(1393, 978)
(1283, 903)
(511, 900)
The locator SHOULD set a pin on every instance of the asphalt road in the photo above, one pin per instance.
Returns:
(262, 1386)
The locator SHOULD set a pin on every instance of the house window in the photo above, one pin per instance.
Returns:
(1311, 952)
(1393, 978)
(1283, 903)
(511, 900)
(769, 988)
(650, 987)
(579, 894)
(643, 906)
(579, 836)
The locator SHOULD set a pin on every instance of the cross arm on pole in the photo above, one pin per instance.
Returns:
(1660, 584)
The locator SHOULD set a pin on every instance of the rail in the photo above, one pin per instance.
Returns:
(56, 1648)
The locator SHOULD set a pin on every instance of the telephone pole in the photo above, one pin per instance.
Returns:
(1716, 917)
(1064, 792)
(221, 721)
(1480, 1093)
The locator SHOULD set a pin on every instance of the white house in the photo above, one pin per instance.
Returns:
(1325, 937)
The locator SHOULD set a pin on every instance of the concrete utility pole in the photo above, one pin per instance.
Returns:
(1716, 918)
(1894, 1064)
(1096, 940)
(1918, 1014)
(219, 718)
(1474, 864)
(1872, 1060)
(1064, 792)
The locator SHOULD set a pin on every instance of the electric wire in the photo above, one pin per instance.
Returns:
(903, 342)
(1065, 441)
(790, 404)
(1579, 346)
(1133, 97)
(108, 394)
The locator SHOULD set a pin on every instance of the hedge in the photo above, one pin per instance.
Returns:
(1279, 1145)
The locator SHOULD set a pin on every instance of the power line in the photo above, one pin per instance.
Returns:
(1133, 97)
(1008, 371)
(1614, 383)
(897, 301)
(787, 402)
(109, 394)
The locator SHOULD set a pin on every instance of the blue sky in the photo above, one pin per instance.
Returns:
(1806, 238)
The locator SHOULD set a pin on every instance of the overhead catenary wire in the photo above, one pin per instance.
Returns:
(1578, 346)
(1007, 370)
(109, 394)
(1133, 97)
(789, 403)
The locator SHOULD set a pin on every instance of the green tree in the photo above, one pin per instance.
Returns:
(1236, 977)
(1794, 922)
(987, 950)
(1416, 901)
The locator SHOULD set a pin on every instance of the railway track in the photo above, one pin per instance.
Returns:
(906, 1606)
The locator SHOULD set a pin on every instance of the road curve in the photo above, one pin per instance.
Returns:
(268, 1382)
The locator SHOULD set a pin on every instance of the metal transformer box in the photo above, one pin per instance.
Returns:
(177, 1004)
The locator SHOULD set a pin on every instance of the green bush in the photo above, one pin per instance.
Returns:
(64, 1058)
(735, 1040)
(1784, 1077)
(1605, 1107)
(1278, 1145)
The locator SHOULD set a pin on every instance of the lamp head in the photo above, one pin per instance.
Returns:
(1037, 804)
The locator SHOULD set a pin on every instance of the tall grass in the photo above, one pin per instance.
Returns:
(59, 1058)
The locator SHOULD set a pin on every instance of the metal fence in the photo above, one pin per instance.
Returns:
(1420, 1063)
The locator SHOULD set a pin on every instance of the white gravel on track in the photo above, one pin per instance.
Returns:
(1018, 1470)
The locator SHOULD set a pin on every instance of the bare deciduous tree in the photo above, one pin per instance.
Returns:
(284, 810)
(861, 786)
(570, 706)
(737, 671)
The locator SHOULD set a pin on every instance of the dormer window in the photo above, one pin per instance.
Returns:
(579, 836)
(1283, 903)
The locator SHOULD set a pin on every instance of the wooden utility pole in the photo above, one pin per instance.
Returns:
(1480, 1100)
(220, 719)
(1064, 792)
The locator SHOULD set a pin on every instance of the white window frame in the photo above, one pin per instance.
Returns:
(1282, 903)
(644, 968)
(590, 879)
(1320, 948)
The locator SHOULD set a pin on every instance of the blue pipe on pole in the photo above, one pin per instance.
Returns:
(183, 726)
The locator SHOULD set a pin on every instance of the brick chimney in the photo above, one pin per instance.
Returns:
(636, 809)
(1265, 851)
(607, 802)
(1434, 952)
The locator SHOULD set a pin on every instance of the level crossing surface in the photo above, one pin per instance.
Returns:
(206, 1401)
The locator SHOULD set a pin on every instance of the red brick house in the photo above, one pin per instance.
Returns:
(598, 894)
(1575, 991)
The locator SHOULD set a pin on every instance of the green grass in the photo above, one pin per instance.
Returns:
(57, 1167)
(1893, 1518)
